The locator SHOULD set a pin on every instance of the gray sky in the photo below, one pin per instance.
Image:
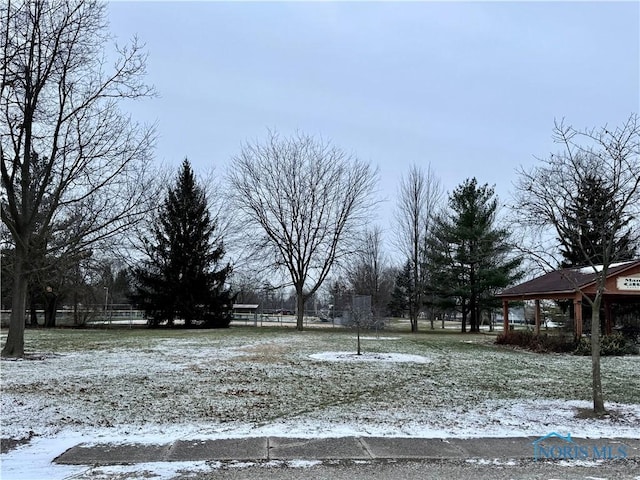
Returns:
(472, 88)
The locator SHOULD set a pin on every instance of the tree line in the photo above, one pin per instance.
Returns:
(81, 189)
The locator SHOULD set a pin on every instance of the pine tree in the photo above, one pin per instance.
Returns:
(402, 291)
(590, 218)
(468, 254)
(180, 279)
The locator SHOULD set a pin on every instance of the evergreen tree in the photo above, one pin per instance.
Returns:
(591, 224)
(180, 278)
(469, 256)
(402, 292)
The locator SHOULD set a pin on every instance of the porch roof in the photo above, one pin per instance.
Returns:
(564, 283)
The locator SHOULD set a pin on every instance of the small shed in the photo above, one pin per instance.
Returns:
(622, 286)
(247, 311)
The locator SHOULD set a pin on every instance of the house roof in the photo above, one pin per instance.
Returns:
(565, 281)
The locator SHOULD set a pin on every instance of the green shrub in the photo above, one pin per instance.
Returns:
(610, 345)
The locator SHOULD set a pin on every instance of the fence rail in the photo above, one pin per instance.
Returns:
(85, 315)
(126, 315)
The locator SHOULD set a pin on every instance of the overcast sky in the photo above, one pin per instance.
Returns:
(472, 88)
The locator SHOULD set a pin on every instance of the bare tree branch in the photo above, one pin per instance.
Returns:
(546, 196)
(75, 170)
(304, 201)
(419, 198)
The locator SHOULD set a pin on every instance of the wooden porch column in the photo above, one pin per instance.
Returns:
(577, 312)
(537, 317)
(608, 318)
(505, 316)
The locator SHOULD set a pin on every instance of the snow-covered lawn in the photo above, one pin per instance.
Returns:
(158, 386)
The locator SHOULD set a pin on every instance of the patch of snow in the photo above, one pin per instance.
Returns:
(580, 463)
(369, 357)
(376, 338)
(495, 461)
(598, 268)
(155, 470)
(303, 463)
(34, 460)
(237, 464)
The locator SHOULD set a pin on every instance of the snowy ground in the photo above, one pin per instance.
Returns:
(156, 386)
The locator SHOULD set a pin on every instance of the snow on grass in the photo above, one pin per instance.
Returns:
(368, 357)
(376, 338)
(144, 386)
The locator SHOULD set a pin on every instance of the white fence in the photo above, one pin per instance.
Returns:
(86, 315)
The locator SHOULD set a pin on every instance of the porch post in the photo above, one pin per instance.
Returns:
(537, 317)
(577, 308)
(505, 315)
(608, 318)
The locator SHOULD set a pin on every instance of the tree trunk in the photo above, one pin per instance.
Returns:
(473, 299)
(473, 316)
(50, 308)
(598, 399)
(33, 313)
(415, 297)
(76, 318)
(464, 318)
(300, 310)
(14, 346)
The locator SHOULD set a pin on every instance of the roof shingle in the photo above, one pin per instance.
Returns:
(567, 280)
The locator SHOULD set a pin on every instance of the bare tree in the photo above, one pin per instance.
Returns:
(73, 167)
(547, 194)
(306, 200)
(419, 199)
(369, 273)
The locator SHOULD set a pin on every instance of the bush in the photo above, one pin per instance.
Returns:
(536, 343)
(610, 345)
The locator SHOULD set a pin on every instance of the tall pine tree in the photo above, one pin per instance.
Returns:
(592, 224)
(591, 221)
(469, 255)
(181, 278)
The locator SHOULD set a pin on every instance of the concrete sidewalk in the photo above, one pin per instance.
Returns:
(343, 448)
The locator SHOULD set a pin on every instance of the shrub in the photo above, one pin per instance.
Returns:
(610, 345)
(537, 343)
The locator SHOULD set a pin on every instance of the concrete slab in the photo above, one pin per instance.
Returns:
(112, 454)
(316, 448)
(390, 447)
(592, 448)
(262, 448)
(515, 447)
(253, 448)
(631, 446)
